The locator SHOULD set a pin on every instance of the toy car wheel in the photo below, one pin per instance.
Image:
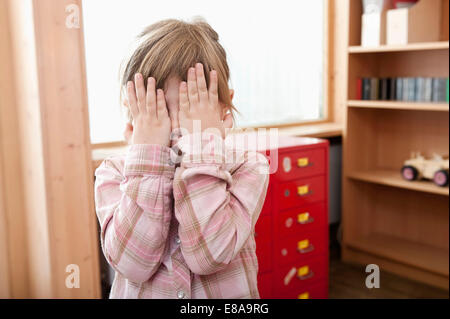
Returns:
(409, 172)
(441, 178)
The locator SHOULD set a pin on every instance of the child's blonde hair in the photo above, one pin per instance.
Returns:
(170, 47)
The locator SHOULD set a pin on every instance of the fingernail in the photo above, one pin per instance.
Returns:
(137, 76)
(192, 71)
(183, 85)
(199, 65)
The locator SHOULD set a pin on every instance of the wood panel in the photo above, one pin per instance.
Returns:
(363, 258)
(12, 202)
(55, 152)
(66, 141)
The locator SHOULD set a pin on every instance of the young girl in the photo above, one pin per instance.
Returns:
(180, 230)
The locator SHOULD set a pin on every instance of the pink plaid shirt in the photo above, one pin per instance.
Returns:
(182, 231)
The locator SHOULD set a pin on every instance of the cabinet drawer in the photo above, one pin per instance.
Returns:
(316, 290)
(265, 285)
(298, 274)
(290, 249)
(263, 253)
(301, 164)
(298, 220)
(301, 192)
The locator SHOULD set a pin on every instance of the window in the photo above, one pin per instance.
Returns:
(275, 52)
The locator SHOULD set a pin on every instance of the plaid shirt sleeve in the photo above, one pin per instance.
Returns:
(218, 196)
(134, 210)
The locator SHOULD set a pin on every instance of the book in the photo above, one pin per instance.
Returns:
(439, 89)
(434, 94)
(446, 91)
(412, 89)
(393, 89)
(420, 86)
(428, 89)
(383, 94)
(359, 89)
(405, 93)
(374, 88)
(399, 89)
(366, 89)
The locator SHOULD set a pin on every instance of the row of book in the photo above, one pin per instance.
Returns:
(420, 89)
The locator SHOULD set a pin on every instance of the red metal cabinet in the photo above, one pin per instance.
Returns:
(292, 231)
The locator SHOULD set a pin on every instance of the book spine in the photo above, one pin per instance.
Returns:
(412, 92)
(420, 87)
(388, 89)
(428, 89)
(442, 90)
(359, 89)
(373, 89)
(366, 89)
(435, 90)
(405, 93)
(383, 89)
(399, 89)
(446, 90)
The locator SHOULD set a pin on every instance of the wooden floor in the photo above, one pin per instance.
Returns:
(348, 281)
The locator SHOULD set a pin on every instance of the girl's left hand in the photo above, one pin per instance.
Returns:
(198, 103)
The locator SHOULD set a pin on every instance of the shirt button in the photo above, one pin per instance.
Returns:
(180, 294)
(177, 240)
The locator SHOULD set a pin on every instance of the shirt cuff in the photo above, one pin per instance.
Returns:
(148, 159)
(202, 148)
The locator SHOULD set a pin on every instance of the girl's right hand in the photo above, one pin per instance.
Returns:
(151, 122)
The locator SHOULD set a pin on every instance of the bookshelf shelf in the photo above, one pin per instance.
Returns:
(402, 226)
(439, 45)
(405, 251)
(394, 179)
(418, 106)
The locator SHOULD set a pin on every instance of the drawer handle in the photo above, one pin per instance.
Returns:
(304, 273)
(304, 218)
(304, 246)
(304, 295)
(304, 162)
(304, 190)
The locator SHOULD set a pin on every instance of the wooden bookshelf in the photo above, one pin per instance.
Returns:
(400, 225)
(418, 106)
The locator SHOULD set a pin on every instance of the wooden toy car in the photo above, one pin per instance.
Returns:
(436, 169)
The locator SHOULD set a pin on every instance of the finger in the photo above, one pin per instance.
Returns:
(151, 97)
(161, 104)
(132, 99)
(192, 87)
(228, 121)
(140, 92)
(213, 88)
(201, 83)
(183, 97)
